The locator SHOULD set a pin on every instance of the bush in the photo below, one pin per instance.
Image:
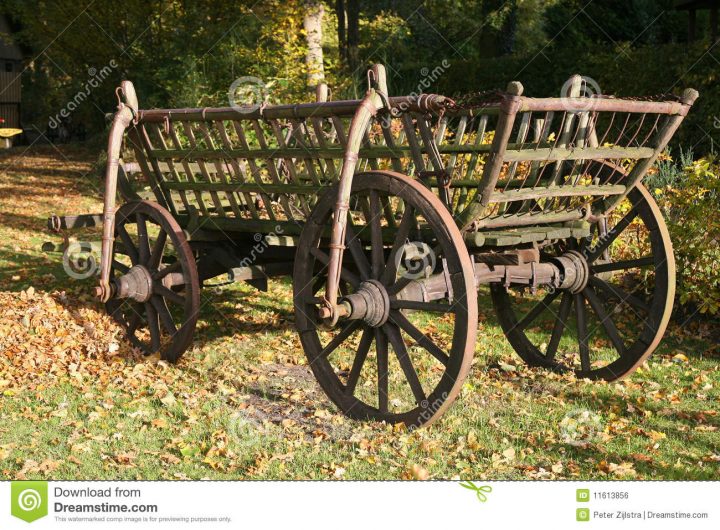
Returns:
(689, 193)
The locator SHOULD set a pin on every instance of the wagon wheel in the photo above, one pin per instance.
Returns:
(406, 362)
(616, 321)
(152, 255)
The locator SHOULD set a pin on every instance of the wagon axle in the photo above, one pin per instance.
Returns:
(138, 283)
(372, 303)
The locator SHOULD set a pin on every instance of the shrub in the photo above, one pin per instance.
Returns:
(689, 193)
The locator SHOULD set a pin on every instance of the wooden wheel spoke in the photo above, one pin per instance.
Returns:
(318, 284)
(164, 313)
(613, 291)
(401, 352)
(582, 332)
(143, 241)
(387, 209)
(605, 320)
(157, 250)
(153, 326)
(345, 274)
(338, 339)
(120, 266)
(362, 352)
(623, 265)
(133, 322)
(376, 243)
(403, 231)
(423, 340)
(169, 294)
(356, 251)
(160, 274)
(399, 285)
(129, 245)
(421, 306)
(536, 311)
(595, 251)
(560, 325)
(381, 346)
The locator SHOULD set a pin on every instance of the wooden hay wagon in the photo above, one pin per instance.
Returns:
(389, 213)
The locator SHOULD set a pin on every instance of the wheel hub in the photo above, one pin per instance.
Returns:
(575, 271)
(136, 284)
(369, 303)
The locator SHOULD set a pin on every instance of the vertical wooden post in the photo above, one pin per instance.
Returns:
(493, 166)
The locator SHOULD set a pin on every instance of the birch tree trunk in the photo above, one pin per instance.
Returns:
(312, 23)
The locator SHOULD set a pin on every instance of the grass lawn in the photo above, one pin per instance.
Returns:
(78, 403)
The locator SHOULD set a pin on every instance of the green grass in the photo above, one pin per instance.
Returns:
(243, 404)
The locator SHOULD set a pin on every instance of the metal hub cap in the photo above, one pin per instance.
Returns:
(576, 271)
(370, 303)
(136, 284)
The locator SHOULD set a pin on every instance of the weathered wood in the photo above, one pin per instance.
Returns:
(589, 153)
(557, 191)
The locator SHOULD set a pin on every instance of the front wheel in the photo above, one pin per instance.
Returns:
(405, 362)
(154, 268)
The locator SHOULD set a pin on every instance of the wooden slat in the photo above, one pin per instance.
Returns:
(556, 191)
(590, 153)
(250, 187)
(221, 174)
(187, 127)
(238, 171)
(254, 169)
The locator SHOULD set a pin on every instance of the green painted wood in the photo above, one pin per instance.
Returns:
(556, 191)
(239, 187)
(585, 153)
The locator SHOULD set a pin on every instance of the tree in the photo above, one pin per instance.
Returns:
(353, 34)
(312, 23)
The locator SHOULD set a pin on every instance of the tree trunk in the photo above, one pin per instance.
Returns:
(342, 39)
(312, 22)
(353, 38)
(509, 30)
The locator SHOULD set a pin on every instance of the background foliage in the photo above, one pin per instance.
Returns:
(181, 53)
